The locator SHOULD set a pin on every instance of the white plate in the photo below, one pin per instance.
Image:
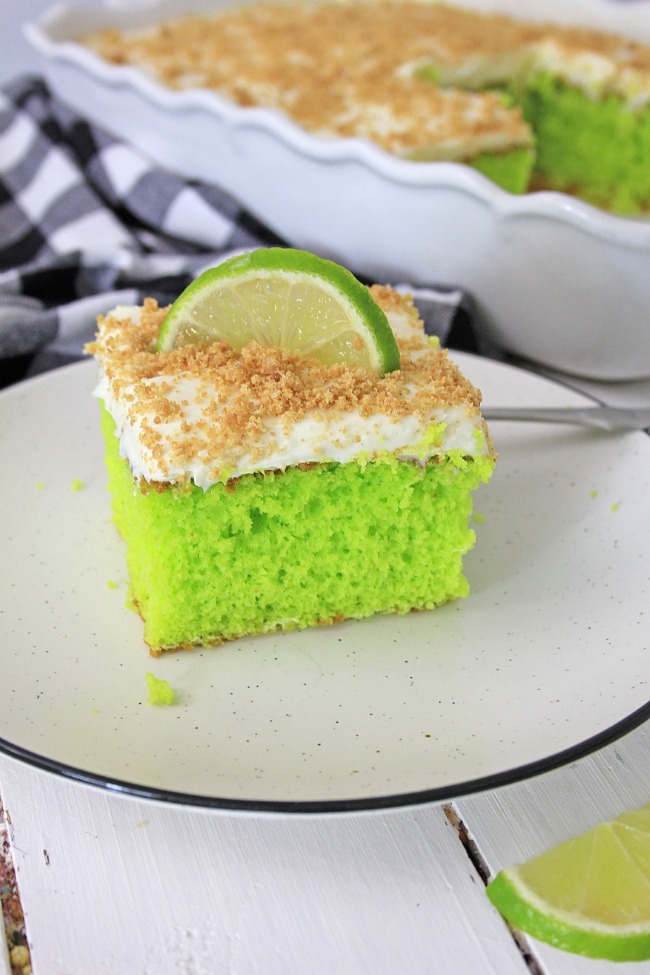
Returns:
(546, 659)
(554, 280)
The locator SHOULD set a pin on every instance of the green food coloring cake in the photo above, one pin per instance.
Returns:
(259, 490)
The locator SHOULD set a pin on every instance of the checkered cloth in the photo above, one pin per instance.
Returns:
(87, 222)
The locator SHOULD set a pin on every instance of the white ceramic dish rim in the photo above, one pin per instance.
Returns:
(329, 807)
(303, 806)
(45, 36)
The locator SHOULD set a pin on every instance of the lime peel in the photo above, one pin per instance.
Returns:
(287, 298)
(626, 945)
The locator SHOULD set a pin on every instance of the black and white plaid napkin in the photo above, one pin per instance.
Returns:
(87, 222)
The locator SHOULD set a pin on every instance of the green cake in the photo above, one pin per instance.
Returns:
(607, 164)
(260, 490)
(531, 105)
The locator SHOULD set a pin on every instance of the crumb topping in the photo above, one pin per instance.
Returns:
(210, 403)
(295, 57)
(341, 68)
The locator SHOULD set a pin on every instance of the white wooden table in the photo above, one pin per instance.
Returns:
(116, 886)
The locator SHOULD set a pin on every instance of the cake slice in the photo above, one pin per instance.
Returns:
(259, 489)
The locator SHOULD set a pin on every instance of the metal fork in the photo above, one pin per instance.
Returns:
(602, 417)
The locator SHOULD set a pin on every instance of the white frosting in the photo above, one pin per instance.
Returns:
(591, 72)
(325, 435)
(474, 72)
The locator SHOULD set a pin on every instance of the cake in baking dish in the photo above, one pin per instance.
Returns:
(531, 105)
(260, 490)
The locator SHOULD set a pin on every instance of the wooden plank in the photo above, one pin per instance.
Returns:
(512, 824)
(113, 885)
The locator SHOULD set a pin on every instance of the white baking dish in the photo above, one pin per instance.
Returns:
(555, 280)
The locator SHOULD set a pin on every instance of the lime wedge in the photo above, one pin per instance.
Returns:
(286, 298)
(589, 895)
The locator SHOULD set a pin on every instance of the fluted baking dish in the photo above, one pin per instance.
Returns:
(555, 280)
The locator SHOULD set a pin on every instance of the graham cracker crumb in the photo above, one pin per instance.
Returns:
(341, 68)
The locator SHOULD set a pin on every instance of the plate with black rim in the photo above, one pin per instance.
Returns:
(544, 661)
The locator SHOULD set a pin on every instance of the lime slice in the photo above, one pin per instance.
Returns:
(287, 298)
(589, 895)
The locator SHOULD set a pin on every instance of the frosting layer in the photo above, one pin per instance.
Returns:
(206, 413)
